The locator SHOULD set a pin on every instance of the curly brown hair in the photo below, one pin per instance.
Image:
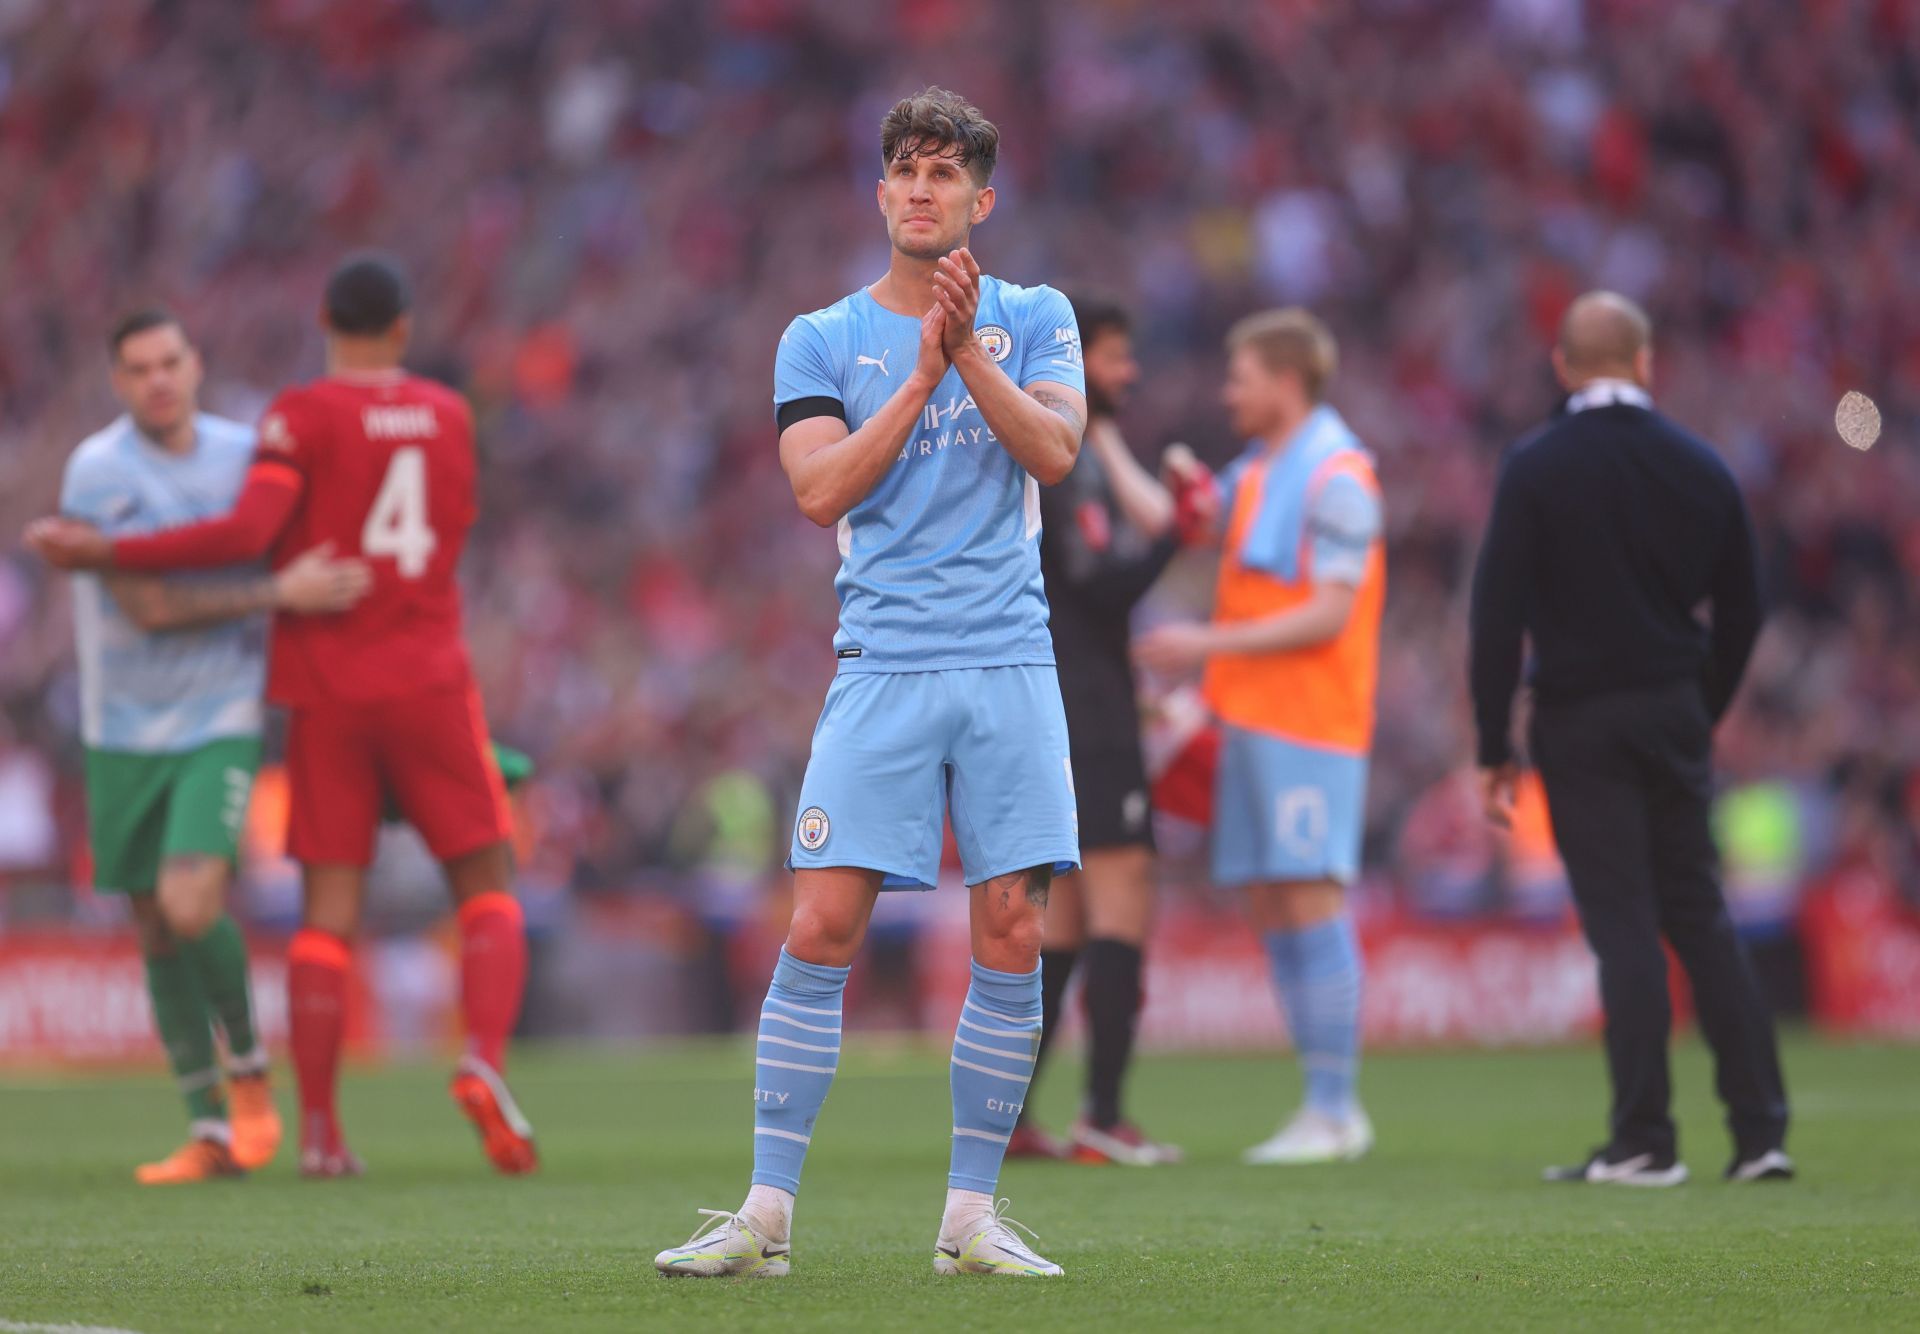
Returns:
(941, 123)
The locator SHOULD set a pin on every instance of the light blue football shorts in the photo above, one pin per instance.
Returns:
(1285, 811)
(895, 751)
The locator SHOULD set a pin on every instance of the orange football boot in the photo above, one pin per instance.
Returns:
(255, 1120)
(196, 1160)
(505, 1135)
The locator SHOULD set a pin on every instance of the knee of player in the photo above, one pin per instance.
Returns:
(487, 870)
(820, 936)
(331, 917)
(156, 940)
(192, 895)
(1021, 939)
(1013, 935)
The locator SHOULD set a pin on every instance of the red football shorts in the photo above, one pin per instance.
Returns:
(429, 753)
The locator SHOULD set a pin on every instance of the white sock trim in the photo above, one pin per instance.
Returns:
(803, 1009)
(981, 1069)
(210, 1128)
(1025, 1058)
(799, 1046)
(1032, 1032)
(242, 1064)
(196, 1080)
(982, 1134)
(794, 1065)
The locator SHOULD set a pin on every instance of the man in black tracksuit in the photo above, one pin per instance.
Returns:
(1610, 526)
(1106, 534)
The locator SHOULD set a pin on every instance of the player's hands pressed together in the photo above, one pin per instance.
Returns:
(1044, 441)
(69, 544)
(1497, 793)
(956, 281)
(930, 365)
(315, 582)
(1174, 650)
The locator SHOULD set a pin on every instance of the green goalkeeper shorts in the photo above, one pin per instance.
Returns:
(143, 809)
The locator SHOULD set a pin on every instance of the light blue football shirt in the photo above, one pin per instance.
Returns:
(1341, 517)
(1343, 521)
(940, 564)
(161, 694)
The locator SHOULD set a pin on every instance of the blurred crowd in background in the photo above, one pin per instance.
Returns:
(612, 210)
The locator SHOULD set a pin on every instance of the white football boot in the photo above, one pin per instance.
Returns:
(1773, 1165)
(990, 1247)
(1314, 1137)
(1613, 1167)
(724, 1245)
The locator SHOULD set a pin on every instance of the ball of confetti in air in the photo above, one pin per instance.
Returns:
(1857, 420)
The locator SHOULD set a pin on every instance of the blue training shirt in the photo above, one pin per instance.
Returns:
(940, 564)
(176, 690)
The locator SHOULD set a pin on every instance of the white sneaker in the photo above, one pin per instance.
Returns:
(1773, 1165)
(992, 1248)
(1628, 1169)
(721, 1246)
(1123, 1143)
(1314, 1137)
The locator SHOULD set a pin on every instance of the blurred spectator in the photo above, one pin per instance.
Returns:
(1447, 850)
(29, 833)
(612, 210)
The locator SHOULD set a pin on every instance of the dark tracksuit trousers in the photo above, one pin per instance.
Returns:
(1629, 786)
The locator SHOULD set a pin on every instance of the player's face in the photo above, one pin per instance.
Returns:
(1111, 369)
(1256, 398)
(156, 376)
(930, 203)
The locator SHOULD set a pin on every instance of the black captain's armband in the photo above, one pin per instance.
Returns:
(800, 409)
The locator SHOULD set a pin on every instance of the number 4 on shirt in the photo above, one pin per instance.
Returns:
(397, 524)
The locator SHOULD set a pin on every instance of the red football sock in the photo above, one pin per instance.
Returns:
(493, 972)
(317, 965)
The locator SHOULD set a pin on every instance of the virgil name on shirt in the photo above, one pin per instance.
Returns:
(940, 565)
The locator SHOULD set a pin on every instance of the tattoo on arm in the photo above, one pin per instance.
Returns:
(1052, 402)
(162, 604)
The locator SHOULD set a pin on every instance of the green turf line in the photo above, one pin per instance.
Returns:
(1446, 1226)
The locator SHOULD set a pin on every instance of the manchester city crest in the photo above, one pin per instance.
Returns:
(813, 829)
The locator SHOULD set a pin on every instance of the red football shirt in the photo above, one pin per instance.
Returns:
(384, 466)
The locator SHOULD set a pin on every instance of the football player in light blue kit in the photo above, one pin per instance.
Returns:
(920, 416)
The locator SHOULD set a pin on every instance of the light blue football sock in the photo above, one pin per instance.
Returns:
(1316, 972)
(993, 1051)
(799, 1049)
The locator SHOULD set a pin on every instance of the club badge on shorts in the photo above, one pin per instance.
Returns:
(996, 340)
(813, 829)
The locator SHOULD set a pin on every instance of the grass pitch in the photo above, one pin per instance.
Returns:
(1446, 1226)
